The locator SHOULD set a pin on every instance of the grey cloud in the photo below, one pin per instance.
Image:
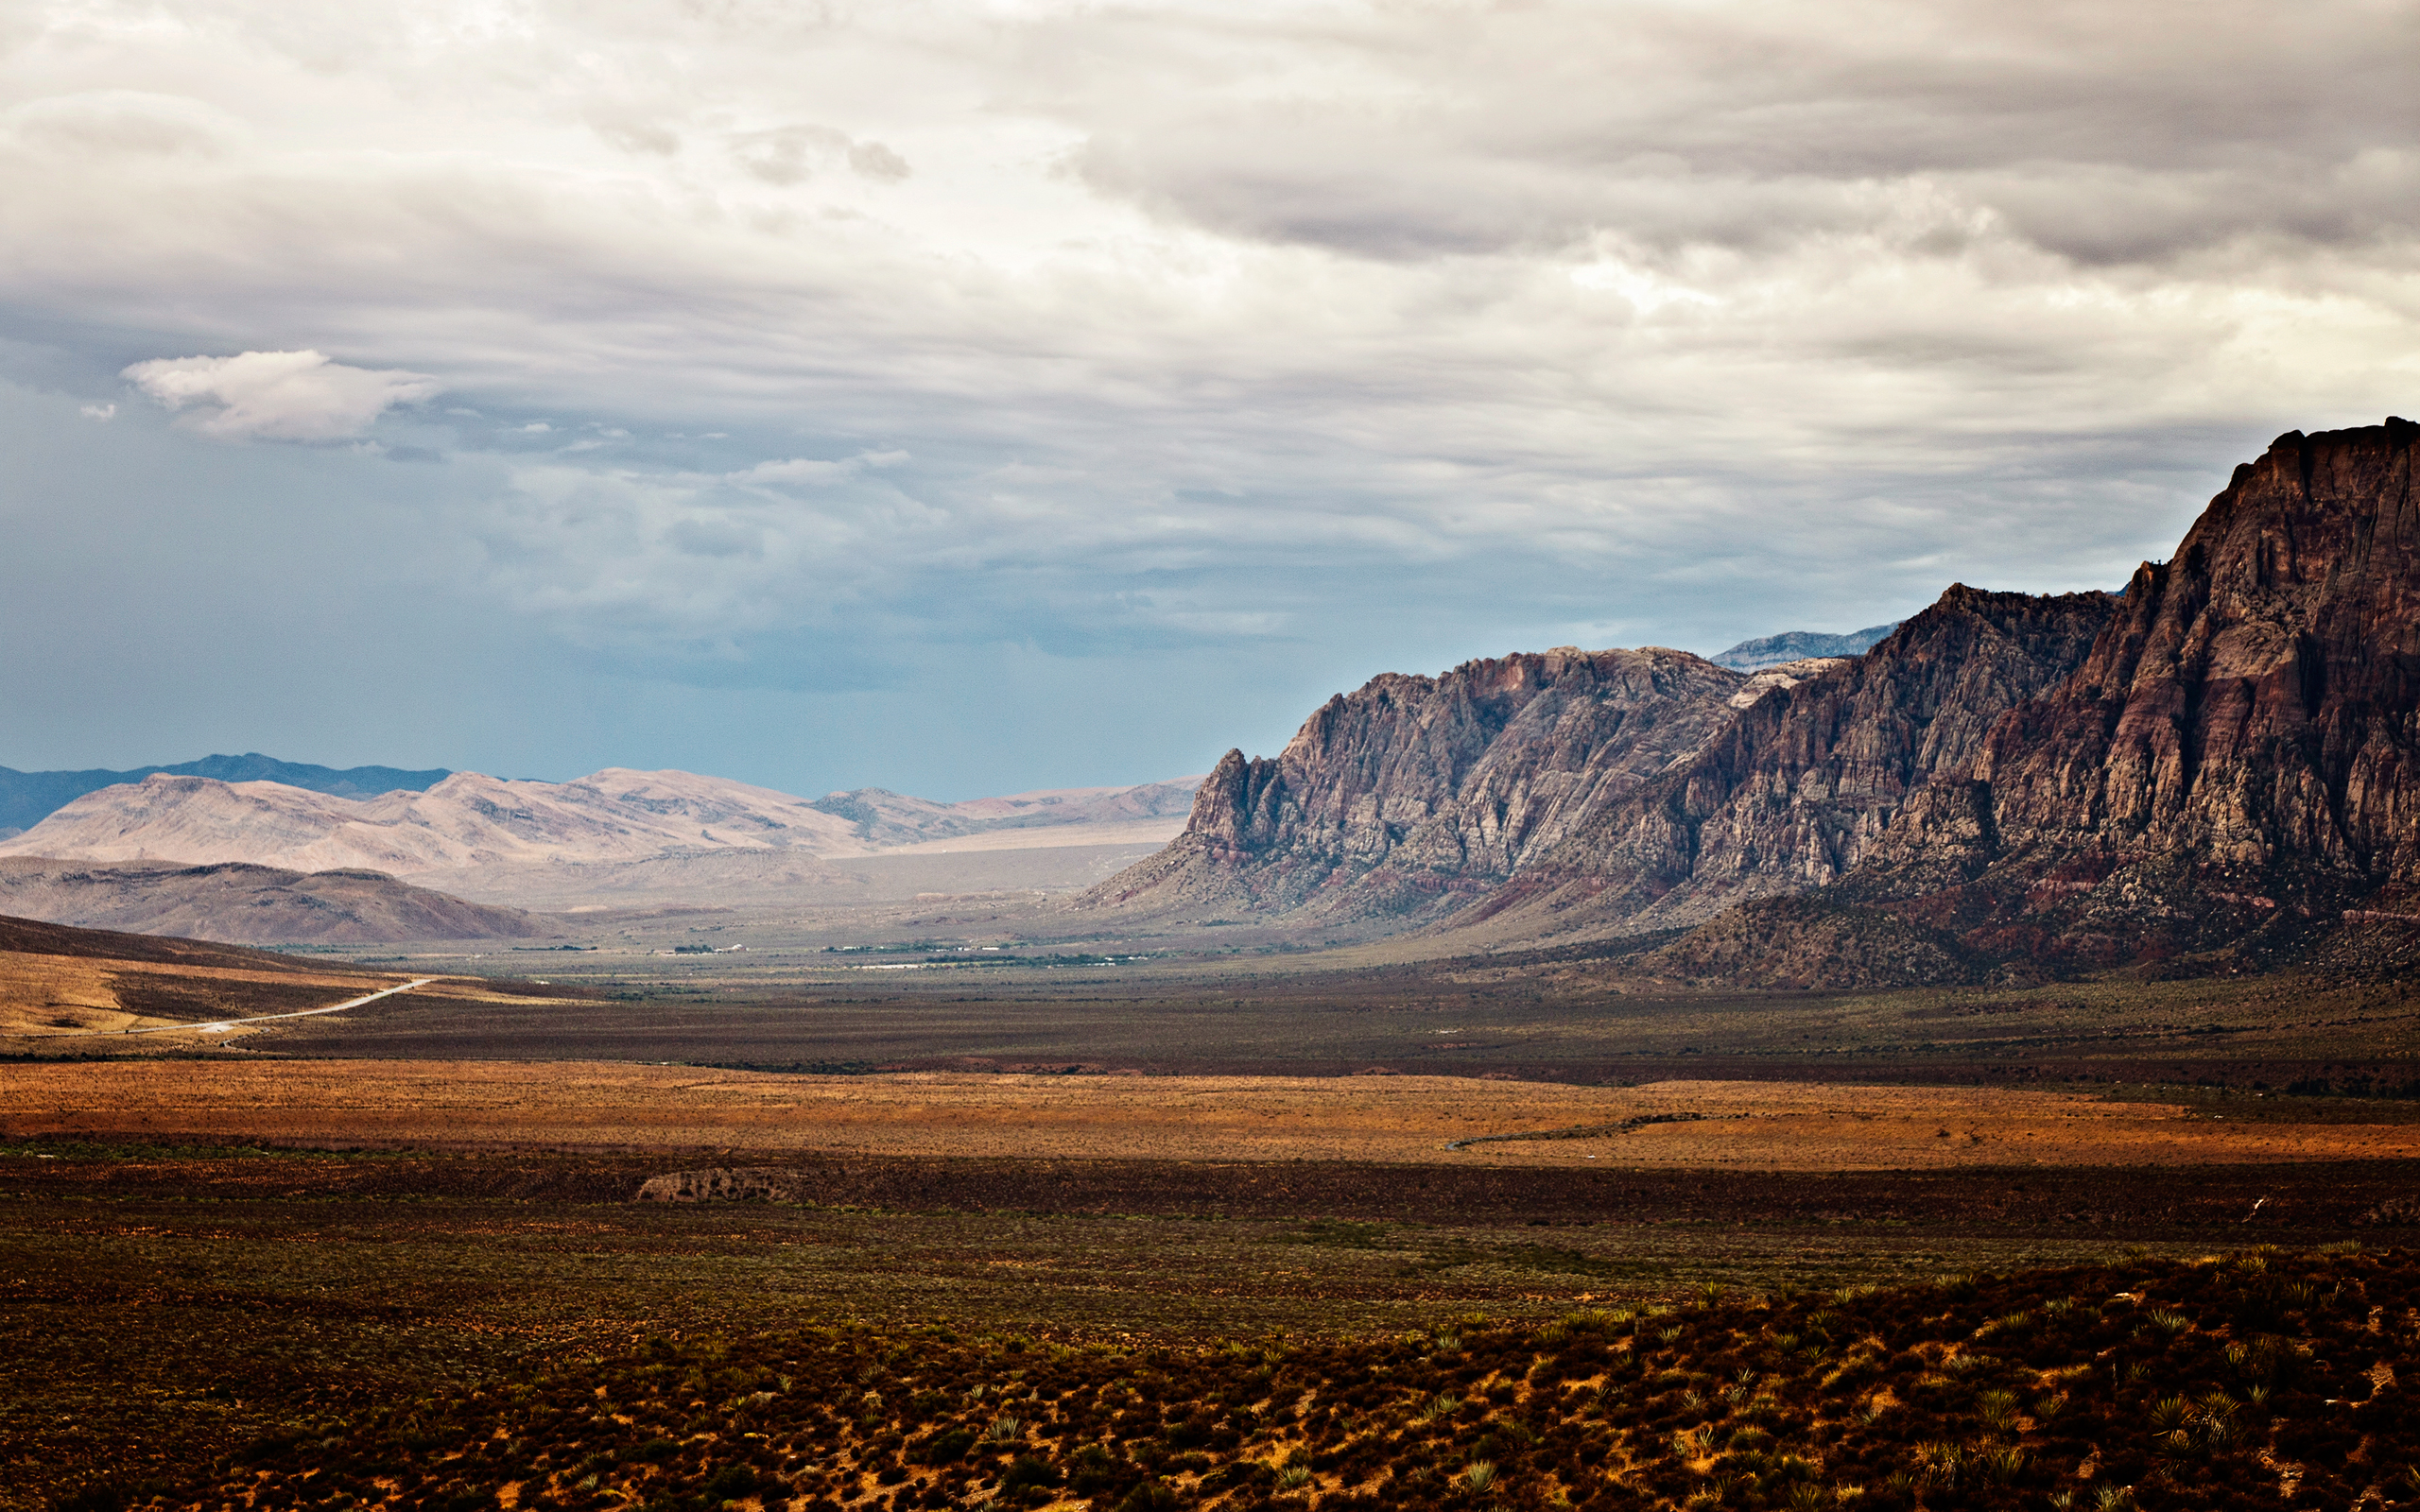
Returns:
(2126, 135)
(790, 154)
(874, 161)
(121, 122)
(1245, 353)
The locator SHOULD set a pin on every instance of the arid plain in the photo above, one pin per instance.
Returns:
(250, 1220)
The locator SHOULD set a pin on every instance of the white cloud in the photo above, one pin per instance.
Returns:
(277, 396)
(100, 412)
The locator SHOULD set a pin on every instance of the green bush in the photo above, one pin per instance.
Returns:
(945, 1448)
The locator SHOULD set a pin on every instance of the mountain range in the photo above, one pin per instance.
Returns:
(29, 798)
(267, 861)
(2218, 767)
(1798, 645)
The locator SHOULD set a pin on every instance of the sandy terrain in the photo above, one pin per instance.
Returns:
(608, 1106)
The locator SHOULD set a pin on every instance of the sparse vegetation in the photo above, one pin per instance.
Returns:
(888, 1419)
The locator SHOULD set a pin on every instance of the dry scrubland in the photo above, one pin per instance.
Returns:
(605, 1106)
(393, 1257)
(2255, 1380)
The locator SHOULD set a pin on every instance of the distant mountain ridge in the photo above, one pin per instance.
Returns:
(886, 818)
(1798, 645)
(27, 799)
(591, 839)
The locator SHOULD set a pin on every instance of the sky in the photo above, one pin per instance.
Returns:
(965, 399)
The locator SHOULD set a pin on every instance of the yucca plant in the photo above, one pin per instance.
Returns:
(1293, 1477)
(2169, 1320)
(2001, 1463)
(2169, 1414)
(1480, 1475)
(1004, 1431)
(2114, 1499)
(1997, 1409)
(1941, 1463)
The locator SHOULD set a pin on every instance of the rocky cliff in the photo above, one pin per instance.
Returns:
(2235, 765)
(1412, 794)
(1791, 794)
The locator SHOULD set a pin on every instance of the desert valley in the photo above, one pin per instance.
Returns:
(1970, 1062)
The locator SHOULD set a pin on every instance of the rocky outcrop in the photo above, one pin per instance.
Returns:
(1789, 795)
(1609, 792)
(1812, 942)
(1412, 794)
(2235, 763)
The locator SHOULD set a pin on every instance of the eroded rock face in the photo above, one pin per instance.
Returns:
(1791, 794)
(1416, 793)
(2238, 756)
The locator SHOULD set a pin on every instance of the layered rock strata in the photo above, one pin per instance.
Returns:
(1791, 794)
(2235, 763)
(1413, 794)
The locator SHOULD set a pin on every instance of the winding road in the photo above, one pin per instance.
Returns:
(214, 1025)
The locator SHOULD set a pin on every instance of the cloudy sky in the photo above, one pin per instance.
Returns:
(965, 398)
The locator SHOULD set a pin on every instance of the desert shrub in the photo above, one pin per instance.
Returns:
(1150, 1496)
(945, 1447)
(733, 1482)
(1027, 1469)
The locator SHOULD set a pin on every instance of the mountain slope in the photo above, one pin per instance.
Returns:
(29, 798)
(252, 905)
(2235, 762)
(465, 821)
(1412, 794)
(1791, 794)
(886, 818)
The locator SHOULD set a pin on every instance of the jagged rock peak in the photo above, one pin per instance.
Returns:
(1457, 777)
(2236, 760)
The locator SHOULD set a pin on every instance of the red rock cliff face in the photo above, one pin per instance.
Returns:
(2239, 755)
(1791, 794)
(1412, 793)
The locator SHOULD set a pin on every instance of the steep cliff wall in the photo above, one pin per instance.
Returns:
(2235, 763)
(1791, 794)
(1411, 794)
